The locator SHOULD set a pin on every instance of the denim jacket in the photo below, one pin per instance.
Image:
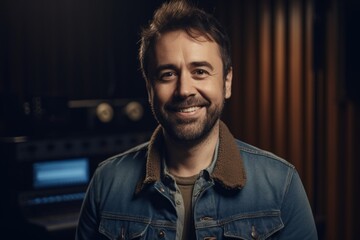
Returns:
(249, 194)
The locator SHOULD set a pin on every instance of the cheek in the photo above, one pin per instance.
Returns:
(162, 94)
(214, 92)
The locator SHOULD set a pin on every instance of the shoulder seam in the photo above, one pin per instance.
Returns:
(135, 149)
(257, 151)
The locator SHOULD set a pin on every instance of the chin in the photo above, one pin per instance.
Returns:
(194, 131)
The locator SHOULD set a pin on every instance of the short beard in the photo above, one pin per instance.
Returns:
(193, 130)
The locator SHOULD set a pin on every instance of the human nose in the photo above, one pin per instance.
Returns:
(185, 86)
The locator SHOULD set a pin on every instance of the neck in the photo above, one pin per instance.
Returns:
(188, 158)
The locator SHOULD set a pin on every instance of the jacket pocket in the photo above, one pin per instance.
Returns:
(259, 225)
(123, 227)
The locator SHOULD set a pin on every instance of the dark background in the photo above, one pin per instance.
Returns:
(296, 89)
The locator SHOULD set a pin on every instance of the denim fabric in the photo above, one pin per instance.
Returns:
(271, 205)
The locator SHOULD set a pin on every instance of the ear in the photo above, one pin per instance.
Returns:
(228, 82)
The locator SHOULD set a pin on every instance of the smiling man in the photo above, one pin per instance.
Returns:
(193, 179)
(187, 93)
(184, 92)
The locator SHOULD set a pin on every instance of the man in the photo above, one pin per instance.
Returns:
(193, 180)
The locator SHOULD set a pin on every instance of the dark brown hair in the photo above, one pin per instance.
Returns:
(181, 15)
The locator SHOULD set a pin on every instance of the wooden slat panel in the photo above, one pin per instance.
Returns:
(265, 78)
(250, 95)
(233, 112)
(298, 114)
(309, 101)
(331, 128)
(295, 80)
(279, 93)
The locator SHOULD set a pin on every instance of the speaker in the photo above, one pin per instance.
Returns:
(56, 116)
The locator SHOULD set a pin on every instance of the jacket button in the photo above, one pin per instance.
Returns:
(161, 234)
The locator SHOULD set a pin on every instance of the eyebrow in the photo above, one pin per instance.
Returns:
(202, 64)
(192, 64)
(165, 66)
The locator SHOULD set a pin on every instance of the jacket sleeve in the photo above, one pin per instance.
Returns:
(89, 220)
(296, 212)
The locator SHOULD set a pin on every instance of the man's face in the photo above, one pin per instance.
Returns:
(188, 89)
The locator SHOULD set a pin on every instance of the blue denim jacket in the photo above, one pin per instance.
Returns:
(249, 194)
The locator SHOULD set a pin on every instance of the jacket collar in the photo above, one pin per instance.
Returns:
(229, 171)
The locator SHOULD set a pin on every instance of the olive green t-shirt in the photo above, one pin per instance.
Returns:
(186, 186)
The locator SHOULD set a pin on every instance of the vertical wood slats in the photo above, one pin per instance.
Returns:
(273, 91)
(309, 100)
(271, 82)
(250, 91)
(279, 79)
(295, 90)
(340, 128)
(331, 127)
(289, 101)
(265, 79)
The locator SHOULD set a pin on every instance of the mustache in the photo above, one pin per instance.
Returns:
(177, 103)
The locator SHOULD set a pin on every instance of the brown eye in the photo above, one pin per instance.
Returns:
(200, 74)
(167, 76)
(200, 71)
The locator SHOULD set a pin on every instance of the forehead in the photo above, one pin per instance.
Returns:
(179, 44)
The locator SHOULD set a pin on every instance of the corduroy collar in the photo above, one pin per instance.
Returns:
(229, 171)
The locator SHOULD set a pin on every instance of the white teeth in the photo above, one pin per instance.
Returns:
(190, 109)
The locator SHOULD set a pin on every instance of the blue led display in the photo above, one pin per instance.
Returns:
(61, 173)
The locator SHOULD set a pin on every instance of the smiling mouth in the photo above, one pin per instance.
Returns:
(188, 110)
(187, 106)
